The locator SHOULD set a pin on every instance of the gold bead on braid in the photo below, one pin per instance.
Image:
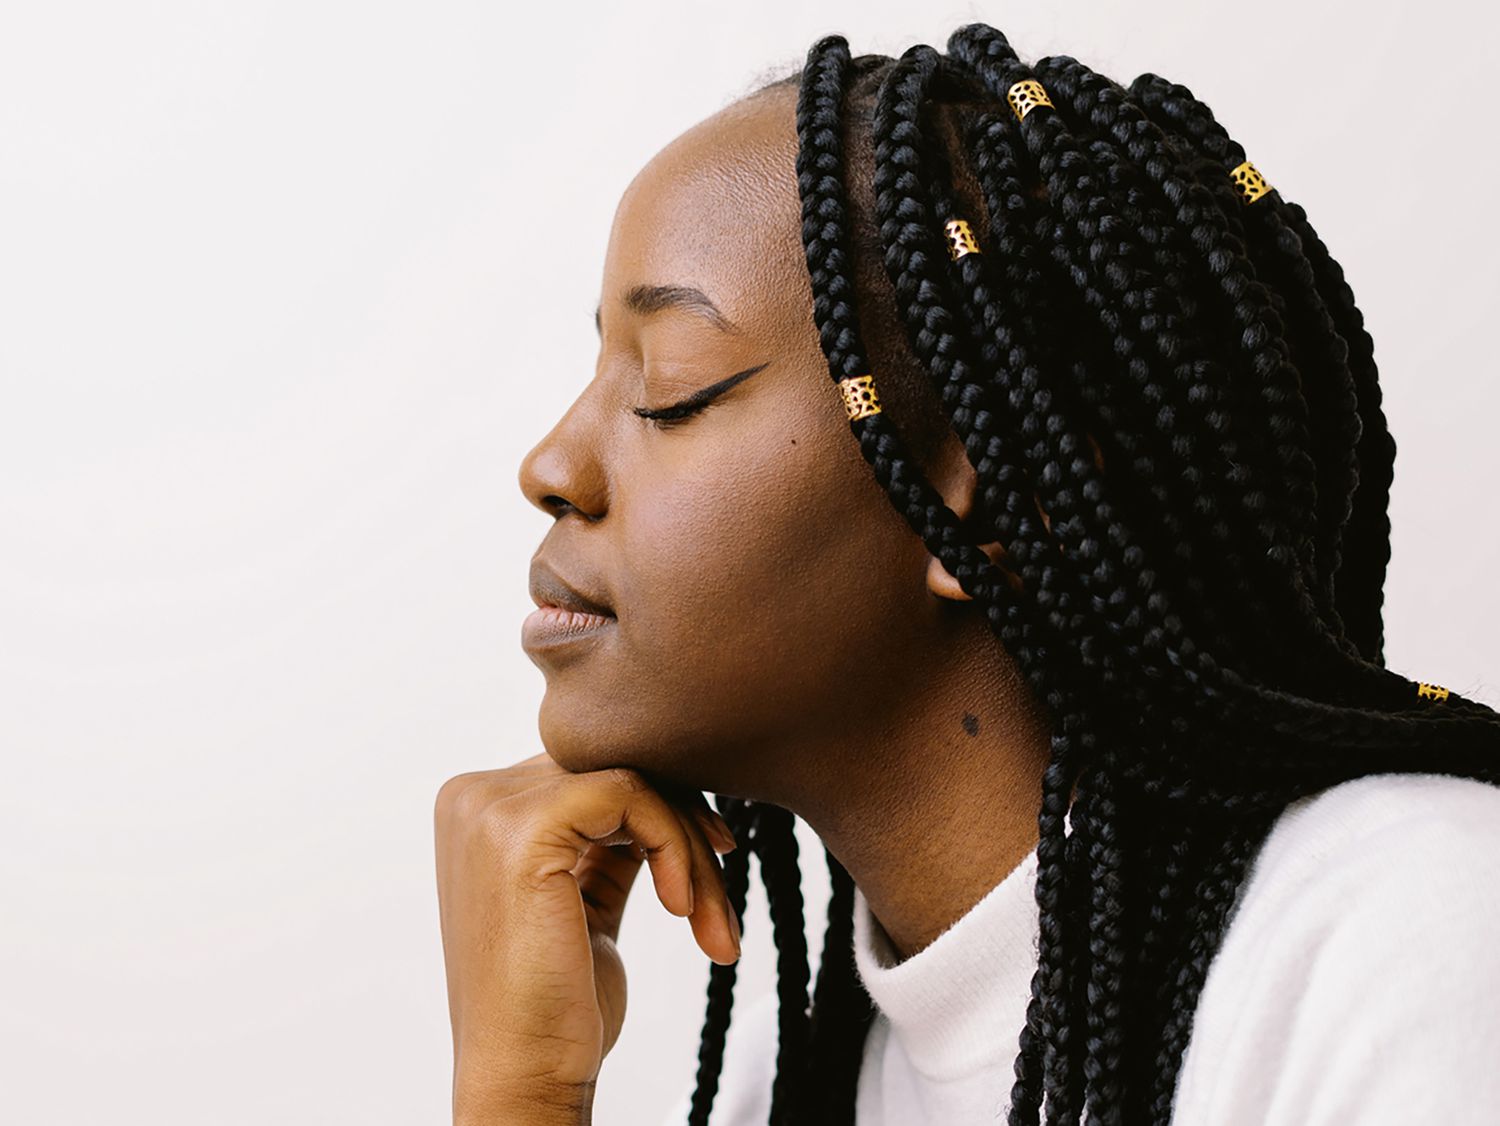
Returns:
(960, 238)
(860, 399)
(1432, 691)
(1025, 96)
(1251, 183)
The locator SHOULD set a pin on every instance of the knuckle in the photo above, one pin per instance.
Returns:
(471, 802)
(628, 778)
(448, 794)
(468, 798)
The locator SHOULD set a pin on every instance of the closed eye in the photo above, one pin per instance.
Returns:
(664, 417)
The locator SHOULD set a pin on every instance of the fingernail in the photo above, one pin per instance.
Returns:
(718, 830)
(726, 832)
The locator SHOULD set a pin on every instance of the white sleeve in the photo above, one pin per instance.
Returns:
(1400, 1021)
(1364, 990)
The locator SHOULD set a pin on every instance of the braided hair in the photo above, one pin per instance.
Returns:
(1172, 408)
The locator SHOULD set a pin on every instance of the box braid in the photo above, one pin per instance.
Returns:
(743, 819)
(1105, 107)
(1309, 271)
(1202, 621)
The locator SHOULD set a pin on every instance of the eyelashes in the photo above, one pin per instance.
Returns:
(664, 418)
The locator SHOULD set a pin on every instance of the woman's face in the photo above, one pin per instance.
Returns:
(766, 595)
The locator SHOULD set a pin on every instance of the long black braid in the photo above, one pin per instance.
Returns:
(1183, 381)
(1314, 283)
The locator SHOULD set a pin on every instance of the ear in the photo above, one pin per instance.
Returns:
(955, 479)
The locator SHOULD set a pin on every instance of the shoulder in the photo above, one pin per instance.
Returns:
(1357, 975)
(744, 1095)
(1391, 874)
(1371, 847)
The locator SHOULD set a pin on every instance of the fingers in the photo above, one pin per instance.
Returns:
(618, 806)
(712, 822)
(685, 870)
(692, 799)
(714, 926)
(547, 821)
(717, 929)
(605, 875)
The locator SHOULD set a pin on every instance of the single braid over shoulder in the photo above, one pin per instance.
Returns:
(1172, 408)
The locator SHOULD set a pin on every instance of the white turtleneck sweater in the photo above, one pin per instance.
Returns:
(1358, 983)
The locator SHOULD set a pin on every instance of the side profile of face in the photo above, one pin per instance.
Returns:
(768, 600)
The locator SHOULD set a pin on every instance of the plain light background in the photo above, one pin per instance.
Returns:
(287, 291)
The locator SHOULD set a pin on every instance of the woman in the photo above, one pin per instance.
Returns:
(1123, 687)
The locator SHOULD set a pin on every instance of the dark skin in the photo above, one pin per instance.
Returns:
(781, 633)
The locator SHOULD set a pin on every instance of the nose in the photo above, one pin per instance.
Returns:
(565, 471)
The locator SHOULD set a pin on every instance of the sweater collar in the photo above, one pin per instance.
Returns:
(957, 1005)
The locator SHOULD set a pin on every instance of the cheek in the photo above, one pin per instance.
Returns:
(759, 579)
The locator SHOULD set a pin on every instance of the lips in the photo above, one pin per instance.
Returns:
(548, 588)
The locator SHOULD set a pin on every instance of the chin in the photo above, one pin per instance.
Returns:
(565, 745)
(579, 739)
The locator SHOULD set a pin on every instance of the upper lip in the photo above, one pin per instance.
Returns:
(548, 588)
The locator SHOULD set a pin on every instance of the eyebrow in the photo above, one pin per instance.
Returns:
(644, 300)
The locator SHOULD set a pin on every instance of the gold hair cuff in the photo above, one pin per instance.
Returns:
(860, 399)
(1432, 691)
(1250, 182)
(1025, 96)
(960, 238)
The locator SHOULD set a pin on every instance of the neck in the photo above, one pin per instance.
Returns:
(930, 803)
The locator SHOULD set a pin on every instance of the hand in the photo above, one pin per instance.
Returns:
(534, 866)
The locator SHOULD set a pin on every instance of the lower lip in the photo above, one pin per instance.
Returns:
(552, 625)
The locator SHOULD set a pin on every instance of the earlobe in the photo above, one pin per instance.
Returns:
(944, 585)
(957, 481)
(941, 583)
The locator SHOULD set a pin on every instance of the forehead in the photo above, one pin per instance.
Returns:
(718, 208)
